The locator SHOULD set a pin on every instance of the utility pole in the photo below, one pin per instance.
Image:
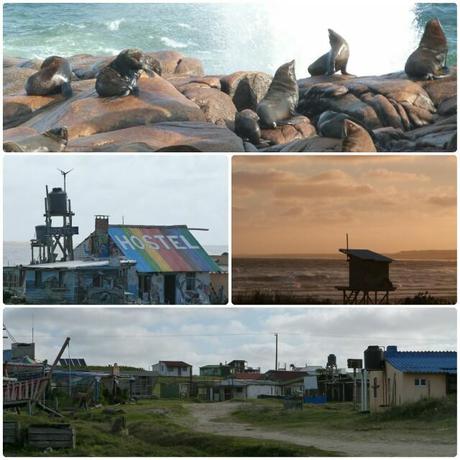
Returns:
(276, 351)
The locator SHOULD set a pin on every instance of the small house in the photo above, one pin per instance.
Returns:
(368, 272)
(77, 282)
(170, 265)
(215, 370)
(232, 388)
(408, 376)
(172, 369)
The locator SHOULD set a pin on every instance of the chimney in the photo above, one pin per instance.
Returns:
(392, 349)
(101, 225)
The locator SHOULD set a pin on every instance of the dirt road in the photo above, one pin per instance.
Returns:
(352, 443)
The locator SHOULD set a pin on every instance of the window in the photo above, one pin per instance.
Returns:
(61, 279)
(190, 279)
(420, 382)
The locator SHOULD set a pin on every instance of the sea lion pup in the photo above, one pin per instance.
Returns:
(429, 60)
(119, 78)
(247, 126)
(54, 140)
(356, 138)
(281, 99)
(331, 124)
(334, 60)
(53, 77)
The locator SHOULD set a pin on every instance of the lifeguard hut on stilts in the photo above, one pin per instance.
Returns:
(369, 277)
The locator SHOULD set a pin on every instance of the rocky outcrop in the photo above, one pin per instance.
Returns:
(187, 110)
(165, 136)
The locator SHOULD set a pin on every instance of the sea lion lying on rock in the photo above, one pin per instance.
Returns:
(280, 102)
(331, 124)
(53, 77)
(356, 138)
(119, 78)
(334, 60)
(247, 126)
(54, 140)
(429, 60)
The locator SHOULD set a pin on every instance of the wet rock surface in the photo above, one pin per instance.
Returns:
(187, 110)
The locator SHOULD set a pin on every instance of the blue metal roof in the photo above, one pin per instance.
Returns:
(7, 355)
(429, 362)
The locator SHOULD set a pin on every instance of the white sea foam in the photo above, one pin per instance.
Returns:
(173, 43)
(114, 25)
(185, 26)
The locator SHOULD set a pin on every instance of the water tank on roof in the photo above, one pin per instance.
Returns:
(57, 202)
(40, 233)
(373, 358)
(332, 361)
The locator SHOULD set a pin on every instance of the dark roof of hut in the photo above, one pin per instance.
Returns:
(366, 254)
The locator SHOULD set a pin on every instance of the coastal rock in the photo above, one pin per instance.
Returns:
(172, 136)
(14, 79)
(217, 106)
(189, 66)
(372, 101)
(88, 114)
(298, 128)
(18, 109)
(168, 60)
(184, 82)
(246, 89)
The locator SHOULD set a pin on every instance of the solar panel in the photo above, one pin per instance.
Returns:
(72, 362)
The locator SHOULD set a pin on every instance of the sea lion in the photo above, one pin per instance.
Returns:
(54, 140)
(53, 77)
(281, 99)
(429, 60)
(119, 78)
(331, 124)
(334, 60)
(356, 138)
(247, 126)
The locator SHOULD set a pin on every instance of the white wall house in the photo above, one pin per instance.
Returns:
(172, 369)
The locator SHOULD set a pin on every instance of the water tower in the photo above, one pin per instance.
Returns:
(50, 238)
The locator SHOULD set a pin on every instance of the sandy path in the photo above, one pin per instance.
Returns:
(371, 444)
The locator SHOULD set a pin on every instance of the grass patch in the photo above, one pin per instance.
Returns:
(431, 415)
(153, 431)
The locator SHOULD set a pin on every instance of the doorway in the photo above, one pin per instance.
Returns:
(170, 289)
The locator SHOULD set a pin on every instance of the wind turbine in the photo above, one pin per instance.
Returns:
(64, 173)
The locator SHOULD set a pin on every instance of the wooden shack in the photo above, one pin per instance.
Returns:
(369, 277)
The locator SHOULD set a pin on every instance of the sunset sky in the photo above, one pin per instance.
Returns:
(306, 205)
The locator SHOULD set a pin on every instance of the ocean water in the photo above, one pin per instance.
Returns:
(228, 37)
(318, 277)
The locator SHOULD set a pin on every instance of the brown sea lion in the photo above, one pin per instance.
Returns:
(429, 60)
(334, 60)
(119, 78)
(247, 126)
(54, 140)
(356, 138)
(53, 77)
(280, 102)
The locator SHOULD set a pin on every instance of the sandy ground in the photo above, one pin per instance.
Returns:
(352, 443)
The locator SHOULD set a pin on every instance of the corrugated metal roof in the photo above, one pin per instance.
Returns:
(159, 249)
(70, 264)
(366, 254)
(430, 362)
(176, 363)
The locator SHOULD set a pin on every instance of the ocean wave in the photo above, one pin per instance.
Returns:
(185, 26)
(173, 43)
(114, 25)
